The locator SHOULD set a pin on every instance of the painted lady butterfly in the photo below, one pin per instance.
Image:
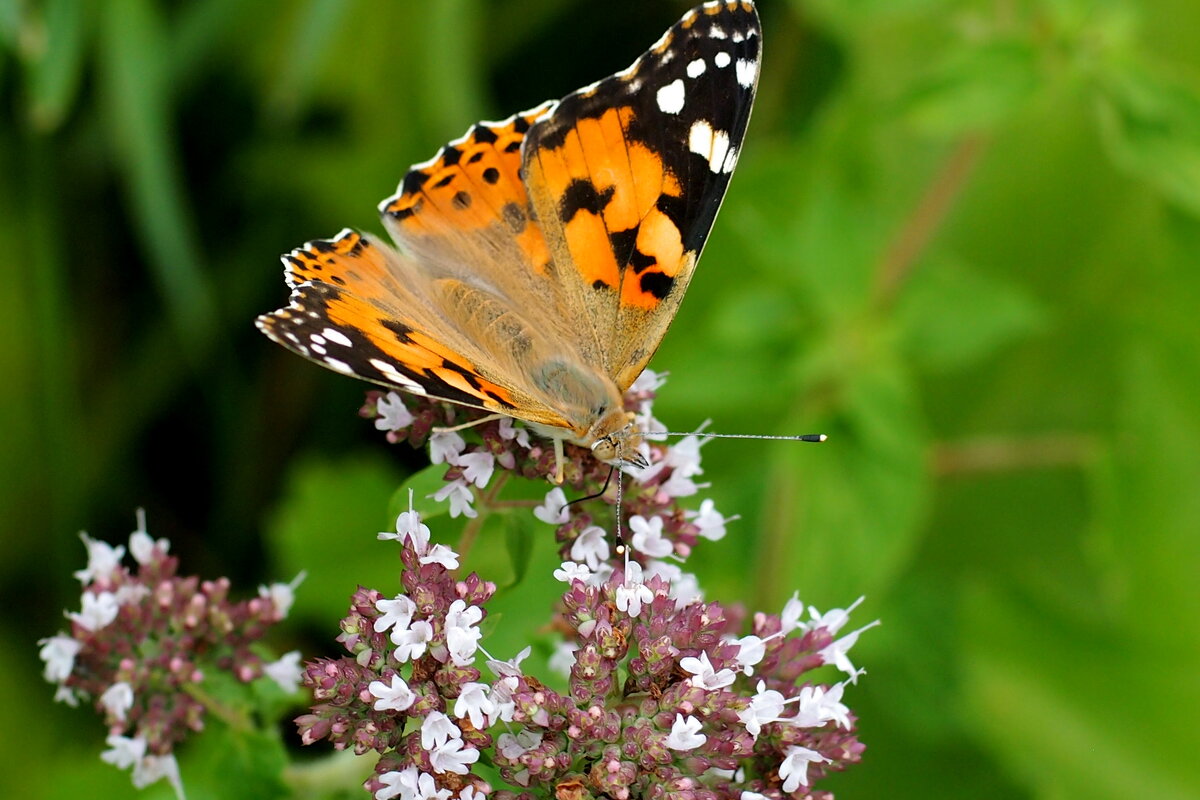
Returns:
(541, 258)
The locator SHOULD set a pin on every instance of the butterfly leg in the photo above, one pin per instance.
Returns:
(471, 424)
(560, 461)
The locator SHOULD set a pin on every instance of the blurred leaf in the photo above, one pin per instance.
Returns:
(842, 519)
(950, 315)
(55, 72)
(1151, 125)
(236, 763)
(316, 26)
(1054, 701)
(518, 534)
(974, 88)
(326, 523)
(133, 61)
(1145, 540)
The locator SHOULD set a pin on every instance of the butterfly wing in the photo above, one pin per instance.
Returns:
(626, 177)
(360, 308)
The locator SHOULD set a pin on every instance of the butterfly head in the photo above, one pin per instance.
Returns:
(618, 442)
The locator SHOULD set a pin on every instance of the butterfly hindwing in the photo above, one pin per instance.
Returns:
(350, 312)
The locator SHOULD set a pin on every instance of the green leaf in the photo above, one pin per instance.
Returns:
(326, 525)
(950, 316)
(975, 87)
(54, 75)
(236, 763)
(1151, 127)
(842, 519)
(518, 534)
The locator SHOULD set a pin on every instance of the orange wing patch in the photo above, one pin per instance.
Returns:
(607, 190)
(472, 185)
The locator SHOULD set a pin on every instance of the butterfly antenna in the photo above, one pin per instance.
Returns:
(603, 489)
(621, 549)
(805, 437)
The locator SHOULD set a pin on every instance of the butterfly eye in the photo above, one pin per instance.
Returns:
(605, 449)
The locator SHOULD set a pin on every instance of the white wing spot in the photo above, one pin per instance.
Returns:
(746, 71)
(738, 37)
(319, 349)
(337, 337)
(696, 68)
(340, 366)
(712, 145)
(730, 160)
(317, 338)
(395, 376)
(722, 60)
(670, 97)
(717, 32)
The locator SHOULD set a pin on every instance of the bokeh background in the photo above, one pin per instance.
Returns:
(963, 240)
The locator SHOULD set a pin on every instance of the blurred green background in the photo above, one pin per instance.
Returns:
(964, 240)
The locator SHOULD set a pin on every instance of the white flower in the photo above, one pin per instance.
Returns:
(835, 653)
(513, 747)
(104, 560)
(571, 571)
(393, 414)
(632, 594)
(97, 612)
(118, 699)
(685, 587)
(453, 756)
(765, 706)
(154, 768)
(460, 498)
(704, 676)
(751, 650)
(508, 432)
(392, 696)
(462, 644)
(286, 671)
(397, 613)
(563, 658)
(59, 654)
(833, 620)
(512, 667)
(710, 521)
(794, 769)
(409, 525)
(142, 544)
(123, 751)
(590, 546)
(65, 694)
(445, 447)
(440, 554)
(437, 729)
(473, 702)
(685, 733)
(469, 792)
(789, 620)
(477, 467)
(411, 643)
(461, 615)
(648, 536)
(502, 697)
(553, 510)
(398, 783)
(648, 381)
(819, 706)
(282, 595)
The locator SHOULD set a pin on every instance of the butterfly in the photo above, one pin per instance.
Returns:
(539, 260)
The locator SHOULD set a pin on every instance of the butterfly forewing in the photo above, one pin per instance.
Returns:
(627, 175)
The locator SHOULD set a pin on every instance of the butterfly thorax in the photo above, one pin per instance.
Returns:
(593, 404)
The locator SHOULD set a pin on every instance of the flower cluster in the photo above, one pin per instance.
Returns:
(144, 639)
(649, 508)
(665, 695)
